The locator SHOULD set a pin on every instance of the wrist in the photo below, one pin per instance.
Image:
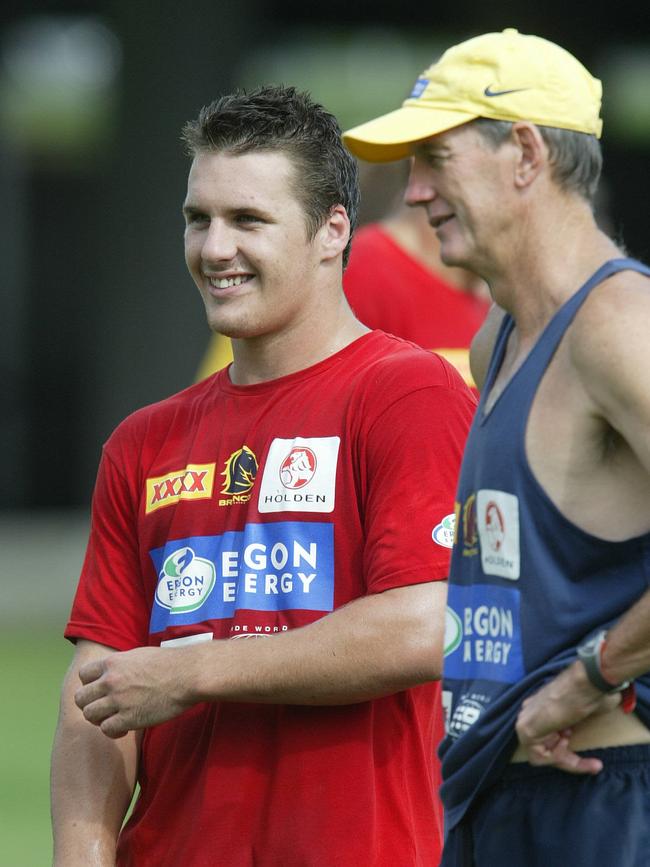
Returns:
(590, 654)
(194, 686)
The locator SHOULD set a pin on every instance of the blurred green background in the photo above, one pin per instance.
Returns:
(41, 556)
(35, 666)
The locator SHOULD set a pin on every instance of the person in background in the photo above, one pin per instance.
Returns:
(547, 756)
(396, 281)
(259, 619)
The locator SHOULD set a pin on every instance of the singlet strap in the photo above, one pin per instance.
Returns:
(546, 345)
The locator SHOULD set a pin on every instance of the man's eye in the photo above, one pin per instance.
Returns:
(248, 218)
(193, 217)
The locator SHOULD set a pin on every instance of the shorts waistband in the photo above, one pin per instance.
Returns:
(635, 754)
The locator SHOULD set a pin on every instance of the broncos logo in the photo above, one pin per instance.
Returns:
(240, 472)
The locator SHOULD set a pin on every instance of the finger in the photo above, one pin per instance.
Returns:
(93, 691)
(98, 711)
(92, 671)
(544, 752)
(115, 727)
(575, 764)
(563, 758)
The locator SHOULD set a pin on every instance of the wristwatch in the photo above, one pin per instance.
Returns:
(590, 652)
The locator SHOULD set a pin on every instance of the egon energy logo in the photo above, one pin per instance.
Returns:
(185, 581)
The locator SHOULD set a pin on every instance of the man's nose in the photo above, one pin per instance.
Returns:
(220, 243)
(420, 188)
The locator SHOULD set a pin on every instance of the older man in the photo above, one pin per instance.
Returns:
(549, 614)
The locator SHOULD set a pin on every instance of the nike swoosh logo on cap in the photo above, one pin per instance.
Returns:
(488, 92)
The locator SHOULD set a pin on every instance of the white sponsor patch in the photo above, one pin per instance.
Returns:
(185, 581)
(300, 475)
(498, 528)
(188, 639)
(443, 533)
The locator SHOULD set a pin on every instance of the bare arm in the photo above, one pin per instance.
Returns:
(611, 355)
(92, 778)
(374, 646)
(627, 652)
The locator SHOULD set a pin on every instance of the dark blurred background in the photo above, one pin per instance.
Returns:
(97, 313)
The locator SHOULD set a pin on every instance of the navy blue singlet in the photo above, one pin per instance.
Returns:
(526, 584)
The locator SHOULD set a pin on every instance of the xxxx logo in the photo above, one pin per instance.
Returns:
(195, 482)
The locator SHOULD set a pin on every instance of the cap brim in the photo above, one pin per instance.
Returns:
(392, 136)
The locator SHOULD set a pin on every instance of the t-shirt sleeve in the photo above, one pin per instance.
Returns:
(413, 456)
(109, 606)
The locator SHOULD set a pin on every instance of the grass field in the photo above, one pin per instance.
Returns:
(33, 665)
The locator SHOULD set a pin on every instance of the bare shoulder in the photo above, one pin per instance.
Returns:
(609, 340)
(483, 344)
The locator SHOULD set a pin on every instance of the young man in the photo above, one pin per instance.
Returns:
(552, 548)
(299, 502)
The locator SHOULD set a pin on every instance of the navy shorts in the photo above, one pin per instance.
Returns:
(543, 817)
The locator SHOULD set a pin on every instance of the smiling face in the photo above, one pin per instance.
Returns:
(247, 246)
(463, 184)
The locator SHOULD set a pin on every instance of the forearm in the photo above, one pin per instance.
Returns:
(93, 779)
(372, 647)
(627, 651)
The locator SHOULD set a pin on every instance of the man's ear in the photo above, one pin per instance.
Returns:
(532, 153)
(335, 232)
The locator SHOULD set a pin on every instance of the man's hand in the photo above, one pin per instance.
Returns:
(132, 690)
(546, 720)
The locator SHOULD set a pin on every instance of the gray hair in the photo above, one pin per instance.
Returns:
(575, 157)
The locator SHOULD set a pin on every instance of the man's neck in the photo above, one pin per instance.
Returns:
(550, 262)
(269, 357)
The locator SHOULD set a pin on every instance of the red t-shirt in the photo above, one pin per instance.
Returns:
(239, 511)
(387, 288)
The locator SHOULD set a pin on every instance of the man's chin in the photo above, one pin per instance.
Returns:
(452, 258)
(233, 330)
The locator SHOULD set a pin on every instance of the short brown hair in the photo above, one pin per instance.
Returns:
(277, 118)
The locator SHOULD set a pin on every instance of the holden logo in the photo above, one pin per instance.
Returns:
(298, 468)
(495, 526)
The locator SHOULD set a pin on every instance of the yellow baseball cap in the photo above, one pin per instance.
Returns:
(503, 76)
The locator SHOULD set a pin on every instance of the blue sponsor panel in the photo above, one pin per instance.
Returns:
(489, 644)
(266, 567)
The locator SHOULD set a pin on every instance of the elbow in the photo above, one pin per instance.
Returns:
(423, 657)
